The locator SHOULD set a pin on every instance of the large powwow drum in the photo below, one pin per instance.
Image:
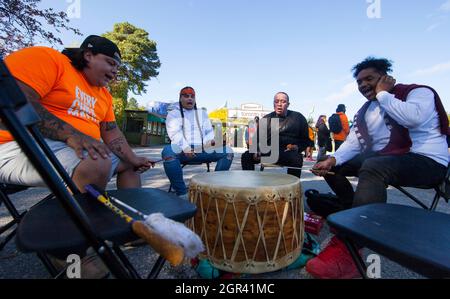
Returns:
(250, 222)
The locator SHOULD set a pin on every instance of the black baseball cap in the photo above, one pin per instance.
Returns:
(101, 45)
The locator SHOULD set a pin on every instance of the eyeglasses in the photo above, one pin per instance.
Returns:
(185, 95)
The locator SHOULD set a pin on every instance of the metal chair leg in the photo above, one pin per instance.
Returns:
(362, 269)
(156, 268)
(435, 202)
(412, 197)
(8, 237)
(182, 166)
(48, 265)
(126, 262)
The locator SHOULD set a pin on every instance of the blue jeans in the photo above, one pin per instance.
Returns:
(173, 161)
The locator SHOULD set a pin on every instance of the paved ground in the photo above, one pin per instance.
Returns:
(15, 265)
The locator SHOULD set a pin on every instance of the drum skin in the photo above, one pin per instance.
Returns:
(250, 222)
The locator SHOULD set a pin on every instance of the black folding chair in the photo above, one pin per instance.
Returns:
(74, 222)
(183, 165)
(5, 191)
(415, 238)
(441, 191)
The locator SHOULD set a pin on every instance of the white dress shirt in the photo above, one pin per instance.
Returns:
(191, 135)
(418, 114)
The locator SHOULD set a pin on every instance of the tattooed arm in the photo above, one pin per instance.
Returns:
(116, 142)
(50, 126)
(54, 128)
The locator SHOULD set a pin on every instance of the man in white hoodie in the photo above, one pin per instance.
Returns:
(192, 140)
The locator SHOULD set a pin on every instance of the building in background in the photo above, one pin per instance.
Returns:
(160, 108)
(248, 112)
(232, 123)
(148, 128)
(145, 128)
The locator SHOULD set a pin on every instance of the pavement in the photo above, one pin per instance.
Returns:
(18, 265)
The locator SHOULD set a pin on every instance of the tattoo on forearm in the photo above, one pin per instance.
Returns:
(117, 145)
(51, 126)
(108, 126)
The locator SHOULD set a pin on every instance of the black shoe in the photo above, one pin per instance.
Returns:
(324, 204)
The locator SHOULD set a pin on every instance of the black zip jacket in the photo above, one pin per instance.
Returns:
(293, 130)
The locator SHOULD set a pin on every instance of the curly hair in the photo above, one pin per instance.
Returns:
(382, 65)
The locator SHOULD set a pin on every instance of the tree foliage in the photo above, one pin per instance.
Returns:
(140, 61)
(119, 110)
(132, 104)
(22, 24)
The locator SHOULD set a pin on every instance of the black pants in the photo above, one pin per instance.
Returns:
(377, 172)
(337, 144)
(292, 158)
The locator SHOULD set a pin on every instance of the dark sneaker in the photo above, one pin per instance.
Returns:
(92, 267)
(324, 204)
(334, 262)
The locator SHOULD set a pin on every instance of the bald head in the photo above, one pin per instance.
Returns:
(281, 103)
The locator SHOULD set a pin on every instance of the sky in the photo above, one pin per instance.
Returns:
(245, 51)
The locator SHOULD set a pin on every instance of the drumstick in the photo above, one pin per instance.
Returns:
(329, 172)
(157, 161)
(153, 162)
(161, 160)
(170, 251)
(121, 203)
(283, 166)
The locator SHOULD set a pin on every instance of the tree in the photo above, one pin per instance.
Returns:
(140, 61)
(119, 110)
(134, 105)
(21, 23)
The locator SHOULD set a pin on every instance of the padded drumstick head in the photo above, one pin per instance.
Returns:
(176, 233)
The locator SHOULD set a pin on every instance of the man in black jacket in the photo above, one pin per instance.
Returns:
(293, 137)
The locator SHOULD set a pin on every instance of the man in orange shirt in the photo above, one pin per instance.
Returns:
(340, 137)
(68, 90)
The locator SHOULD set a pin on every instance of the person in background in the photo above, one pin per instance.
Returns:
(310, 149)
(192, 141)
(339, 137)
(323, 137)
(293, 137)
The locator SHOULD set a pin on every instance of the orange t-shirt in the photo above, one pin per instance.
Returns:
(64, 91)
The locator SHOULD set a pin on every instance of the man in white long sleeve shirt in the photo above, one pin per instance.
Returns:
(192, 140)
(398, 138)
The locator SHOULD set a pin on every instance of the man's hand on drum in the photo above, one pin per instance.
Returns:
(323, 168)
(291, 147)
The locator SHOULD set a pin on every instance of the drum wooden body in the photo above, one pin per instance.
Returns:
(249, 221)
